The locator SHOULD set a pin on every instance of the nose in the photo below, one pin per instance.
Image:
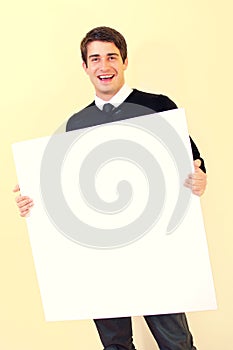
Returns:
(104, 64)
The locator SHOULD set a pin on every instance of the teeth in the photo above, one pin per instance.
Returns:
(105, 76)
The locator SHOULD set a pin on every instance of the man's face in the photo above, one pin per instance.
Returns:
(105, 68)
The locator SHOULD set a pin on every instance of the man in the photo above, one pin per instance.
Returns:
(104, 54)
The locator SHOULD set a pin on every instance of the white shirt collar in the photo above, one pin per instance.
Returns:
(117, 99)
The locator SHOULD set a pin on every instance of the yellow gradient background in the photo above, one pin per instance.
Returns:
(180, 48)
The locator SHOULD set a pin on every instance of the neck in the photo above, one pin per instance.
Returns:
(105, 97)
(108, 95)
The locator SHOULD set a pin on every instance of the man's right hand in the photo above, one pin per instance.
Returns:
(24, 203)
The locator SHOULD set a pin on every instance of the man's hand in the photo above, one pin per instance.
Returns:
(24, 203)
(198, 180)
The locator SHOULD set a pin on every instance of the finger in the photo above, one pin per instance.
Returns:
(197, 192)
(25, 212)
(188, 186)
(189, 181)
(22, 198)
(25, 204)
(197, 182)
(197, 163)
(198, 175)
(16, 188)
(195, 186)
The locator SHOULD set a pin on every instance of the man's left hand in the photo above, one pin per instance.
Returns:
(198, 180)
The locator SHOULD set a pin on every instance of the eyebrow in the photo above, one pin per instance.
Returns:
(108, 54)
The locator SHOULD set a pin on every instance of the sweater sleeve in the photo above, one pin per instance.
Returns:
(167, 104)
(196, 155)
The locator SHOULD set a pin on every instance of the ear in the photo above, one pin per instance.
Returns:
(126, 63)
(84, 66)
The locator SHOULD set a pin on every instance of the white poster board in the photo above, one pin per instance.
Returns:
(91, 259)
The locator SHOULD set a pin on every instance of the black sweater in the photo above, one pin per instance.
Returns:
(138, 103)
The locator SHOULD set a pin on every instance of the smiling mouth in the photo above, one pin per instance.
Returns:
(106, 78)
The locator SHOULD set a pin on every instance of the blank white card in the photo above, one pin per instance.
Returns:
(113, 230)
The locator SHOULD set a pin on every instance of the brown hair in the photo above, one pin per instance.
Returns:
(104, 34)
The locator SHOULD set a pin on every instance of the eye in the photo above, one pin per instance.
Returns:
(112, 58)
(94, 59)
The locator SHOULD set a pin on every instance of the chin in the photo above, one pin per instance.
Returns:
(107, 91)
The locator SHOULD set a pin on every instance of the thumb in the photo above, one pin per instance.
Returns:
(197, 163)
(16, 189)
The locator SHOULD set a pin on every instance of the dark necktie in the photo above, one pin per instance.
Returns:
(108, 108)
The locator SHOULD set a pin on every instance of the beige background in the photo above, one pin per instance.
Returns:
(180, 48)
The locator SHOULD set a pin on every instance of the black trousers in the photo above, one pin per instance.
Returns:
(170, 331)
